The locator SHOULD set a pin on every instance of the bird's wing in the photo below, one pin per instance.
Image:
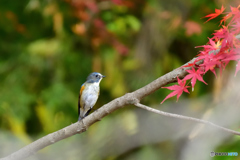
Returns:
(79, 98)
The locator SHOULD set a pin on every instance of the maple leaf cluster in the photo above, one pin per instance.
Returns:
(223, 47)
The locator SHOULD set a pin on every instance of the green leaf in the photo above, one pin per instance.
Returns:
(133, 23)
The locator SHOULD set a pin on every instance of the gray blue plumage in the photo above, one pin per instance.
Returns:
(89, 93)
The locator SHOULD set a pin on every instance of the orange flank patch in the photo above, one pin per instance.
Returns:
(81, 90)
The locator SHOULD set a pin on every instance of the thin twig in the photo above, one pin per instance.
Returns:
(185, 117)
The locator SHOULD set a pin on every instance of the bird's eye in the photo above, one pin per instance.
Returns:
(96, 76)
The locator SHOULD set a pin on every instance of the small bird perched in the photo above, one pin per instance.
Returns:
(88, 95)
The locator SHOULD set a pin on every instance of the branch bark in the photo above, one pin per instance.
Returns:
(79, 127)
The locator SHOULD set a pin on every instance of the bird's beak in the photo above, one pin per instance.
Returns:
(103, 76)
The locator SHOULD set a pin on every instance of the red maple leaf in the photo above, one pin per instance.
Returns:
(233, 55)
(235, 14)
(211, 46)
(211, 61)
(235, 27)
(217, 13)
(195, 75)
(193, 64)
(189, 65)
(225, 18)
(235, 10)
(221, 33)
(177, 89)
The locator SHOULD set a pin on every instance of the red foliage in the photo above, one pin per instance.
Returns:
(88, 12)
(177, 89)
(217, 13)
(194, 75)
(220, 49)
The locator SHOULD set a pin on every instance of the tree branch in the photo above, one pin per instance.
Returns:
(185, 117)
(79, 127)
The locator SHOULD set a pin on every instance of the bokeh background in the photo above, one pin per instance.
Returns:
(48, 48)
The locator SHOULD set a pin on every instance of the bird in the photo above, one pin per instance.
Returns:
(89, 93)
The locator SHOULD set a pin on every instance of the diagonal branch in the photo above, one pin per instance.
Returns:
(79, 127)
(129, 98)
(185, 117)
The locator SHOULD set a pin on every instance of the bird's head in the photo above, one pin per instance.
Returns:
(95, 77)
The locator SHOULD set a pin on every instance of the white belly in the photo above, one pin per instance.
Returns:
(89, 96)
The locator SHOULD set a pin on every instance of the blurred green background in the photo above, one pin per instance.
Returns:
(48, 48)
